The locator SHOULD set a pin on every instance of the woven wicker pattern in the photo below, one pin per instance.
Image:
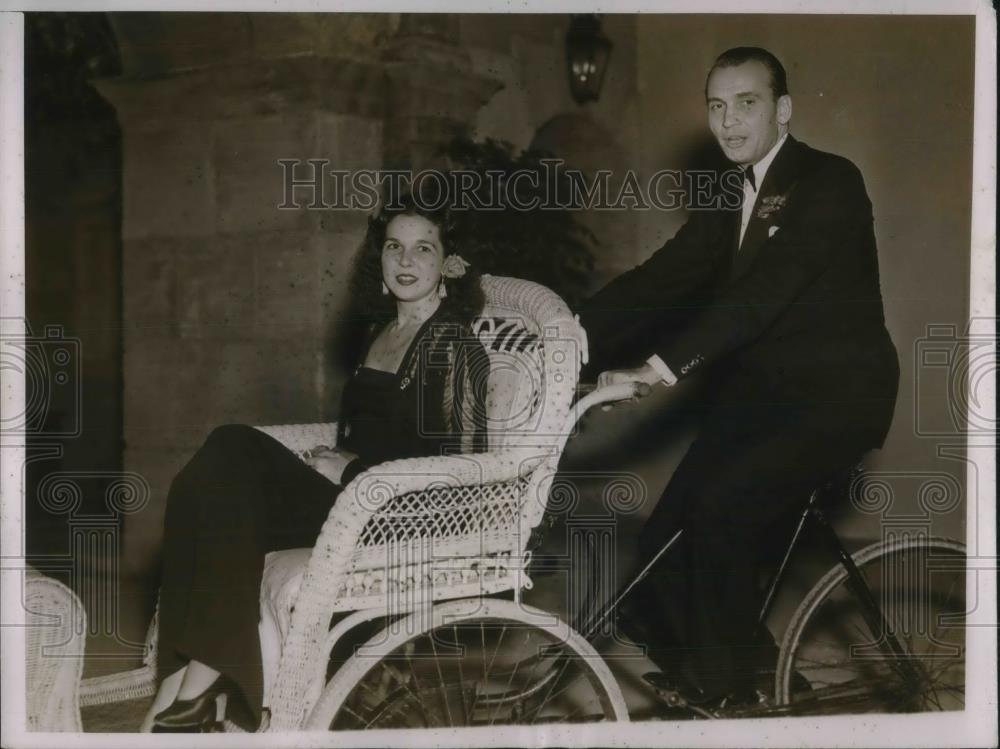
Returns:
(56, 626)
(125, 685)
(440, 513)
(432, 528)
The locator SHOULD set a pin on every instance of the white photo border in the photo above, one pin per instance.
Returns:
(976, 726)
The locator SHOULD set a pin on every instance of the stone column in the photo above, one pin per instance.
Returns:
(230, 302)
(432, 92)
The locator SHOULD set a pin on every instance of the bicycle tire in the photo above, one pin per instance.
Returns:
(830, 609)
(398, 680)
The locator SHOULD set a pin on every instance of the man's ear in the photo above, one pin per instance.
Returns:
(784, 109)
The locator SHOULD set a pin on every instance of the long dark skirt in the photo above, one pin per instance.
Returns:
(242, 495)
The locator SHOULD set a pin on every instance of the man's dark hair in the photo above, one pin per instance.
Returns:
(739, 55)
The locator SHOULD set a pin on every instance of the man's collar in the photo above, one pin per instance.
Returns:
(761, 167)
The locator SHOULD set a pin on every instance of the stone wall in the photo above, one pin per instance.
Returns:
(230, 303)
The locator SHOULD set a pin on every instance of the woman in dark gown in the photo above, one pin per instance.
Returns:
(420, 391)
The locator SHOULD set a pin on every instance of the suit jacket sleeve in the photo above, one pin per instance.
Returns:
(663, 288)
(825, 212)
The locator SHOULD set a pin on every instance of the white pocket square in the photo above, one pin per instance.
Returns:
(772, 230)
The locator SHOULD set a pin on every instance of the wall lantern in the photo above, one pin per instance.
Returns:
(587, 55)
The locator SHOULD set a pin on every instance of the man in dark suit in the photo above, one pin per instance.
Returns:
(774, 296)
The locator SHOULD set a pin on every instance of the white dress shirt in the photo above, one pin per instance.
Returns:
(749, 201)
(749, 191)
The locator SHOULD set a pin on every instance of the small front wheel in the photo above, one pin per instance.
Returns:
(471, 662)
(831, 660)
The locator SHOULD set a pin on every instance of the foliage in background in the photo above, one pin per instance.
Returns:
(549, 246)
(63, 53)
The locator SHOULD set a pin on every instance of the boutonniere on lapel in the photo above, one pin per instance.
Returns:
(769, 205)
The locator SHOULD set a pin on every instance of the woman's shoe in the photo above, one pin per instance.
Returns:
(203, 714)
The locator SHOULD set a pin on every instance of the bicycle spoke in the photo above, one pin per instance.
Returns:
(461, 677)
(835, 650)
(441, 686)
(497, 648)
(482, 637)
(552, 685)
(551, 698)
(356, 716)
(510, 680)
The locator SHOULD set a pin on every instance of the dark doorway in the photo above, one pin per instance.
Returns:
(73, 269)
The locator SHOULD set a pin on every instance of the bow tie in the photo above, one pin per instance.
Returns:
(748, 175)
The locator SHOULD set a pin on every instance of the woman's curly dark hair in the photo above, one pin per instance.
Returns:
(464, 301)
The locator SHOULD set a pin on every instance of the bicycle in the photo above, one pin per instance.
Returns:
(874, 633)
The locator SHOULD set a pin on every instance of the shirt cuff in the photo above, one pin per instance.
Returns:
(661, 368)
(352, 470)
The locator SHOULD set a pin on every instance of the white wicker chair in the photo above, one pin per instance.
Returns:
(56, 627)
(409, 533)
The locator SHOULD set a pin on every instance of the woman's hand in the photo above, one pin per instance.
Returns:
(330, 462)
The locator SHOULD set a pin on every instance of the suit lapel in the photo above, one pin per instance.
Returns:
(777, 184)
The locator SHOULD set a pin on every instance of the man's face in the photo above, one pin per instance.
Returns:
(742, 111)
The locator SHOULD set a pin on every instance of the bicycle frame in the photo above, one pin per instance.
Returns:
(881, 630)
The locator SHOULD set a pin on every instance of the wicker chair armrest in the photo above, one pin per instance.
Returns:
(299, 673)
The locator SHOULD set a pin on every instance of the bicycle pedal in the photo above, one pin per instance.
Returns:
(671, 697)
(730, 708)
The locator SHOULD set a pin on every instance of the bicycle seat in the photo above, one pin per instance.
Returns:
(838, 486)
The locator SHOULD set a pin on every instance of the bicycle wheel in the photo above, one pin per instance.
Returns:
(919, 585)
(476, 662)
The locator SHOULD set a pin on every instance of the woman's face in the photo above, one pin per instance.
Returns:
(412, 255)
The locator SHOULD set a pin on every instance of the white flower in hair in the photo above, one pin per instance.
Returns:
(454, 266)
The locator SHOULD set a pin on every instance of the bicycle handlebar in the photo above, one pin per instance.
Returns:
(596, 396)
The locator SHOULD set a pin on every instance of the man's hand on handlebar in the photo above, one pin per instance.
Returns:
(644, 374)
(641, 379)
